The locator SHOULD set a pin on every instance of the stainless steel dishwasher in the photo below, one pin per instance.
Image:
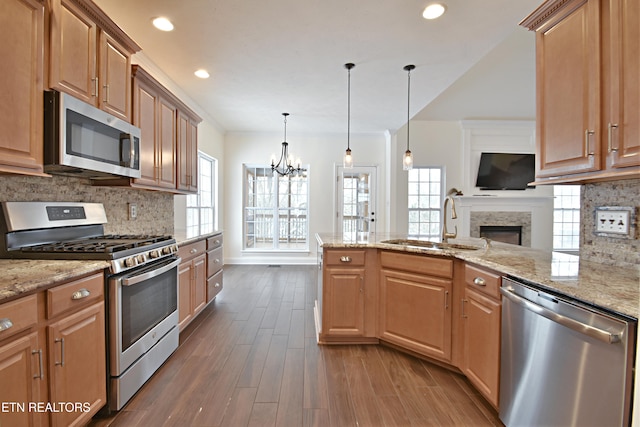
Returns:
(563, 363)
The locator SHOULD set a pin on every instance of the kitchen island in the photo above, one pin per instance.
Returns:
(443, 302)
(612, 288)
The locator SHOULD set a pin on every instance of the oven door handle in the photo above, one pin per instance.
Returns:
(129, 281)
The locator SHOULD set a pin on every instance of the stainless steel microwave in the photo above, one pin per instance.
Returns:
(81, 140)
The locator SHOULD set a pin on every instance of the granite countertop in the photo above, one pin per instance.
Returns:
(182, 239)
(613, 288)
(22, 276)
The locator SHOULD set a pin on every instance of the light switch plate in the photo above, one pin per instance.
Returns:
(613, 220)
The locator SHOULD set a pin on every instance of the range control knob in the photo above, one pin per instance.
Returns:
(154, 253)
(167, 250)
(140, 259)
(130, 262)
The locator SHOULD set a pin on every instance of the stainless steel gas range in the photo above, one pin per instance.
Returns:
(141, 284)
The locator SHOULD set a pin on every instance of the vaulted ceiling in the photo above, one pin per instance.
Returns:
(269, 57)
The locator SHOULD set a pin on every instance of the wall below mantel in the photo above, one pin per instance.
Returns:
(155, 209)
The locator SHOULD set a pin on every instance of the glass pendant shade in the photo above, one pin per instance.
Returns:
(348, 159)
(407, 161)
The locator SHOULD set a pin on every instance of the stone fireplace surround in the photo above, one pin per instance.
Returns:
(499, 218)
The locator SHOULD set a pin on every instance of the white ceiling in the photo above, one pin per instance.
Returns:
(275, 56)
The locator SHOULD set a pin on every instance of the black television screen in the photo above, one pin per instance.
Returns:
(505, 171)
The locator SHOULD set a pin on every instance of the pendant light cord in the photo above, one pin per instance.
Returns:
(408, 68)
(349, 66)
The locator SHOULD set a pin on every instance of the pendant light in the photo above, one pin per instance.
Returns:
(407, 162)
(285, 164)
(348, 159)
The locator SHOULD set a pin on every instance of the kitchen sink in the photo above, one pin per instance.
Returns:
(431, 245)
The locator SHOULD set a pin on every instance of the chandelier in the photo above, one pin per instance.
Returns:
(285, 167)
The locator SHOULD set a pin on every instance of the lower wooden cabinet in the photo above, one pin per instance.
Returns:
(215, 262)
(481, 315)
(415, 313)
(21, 367)
(53, 355)
(349, 295)
(192, 282)
(77, 364)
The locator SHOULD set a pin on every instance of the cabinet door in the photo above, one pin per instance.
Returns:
(21, 74)
(214, 285)
(184, 294)
(115, 78)
(343, 302)
(145, 116)
(481, 361)
(77, 365)
(622, 62)
(20, 374)
(199, 283)
(415, 313)
(167, 144)
(187, 153)
(568, 93)
(72, 67)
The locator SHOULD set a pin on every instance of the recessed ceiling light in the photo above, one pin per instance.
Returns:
(203, 74)
(433, 11)
(163, 24)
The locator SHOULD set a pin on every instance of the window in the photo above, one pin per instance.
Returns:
(566, 217)
(275, 210)
(202, 215)
(425, 201)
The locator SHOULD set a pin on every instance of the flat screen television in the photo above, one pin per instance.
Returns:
(505, 171)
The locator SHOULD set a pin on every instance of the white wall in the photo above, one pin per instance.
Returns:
(432, 143)
(321, 153)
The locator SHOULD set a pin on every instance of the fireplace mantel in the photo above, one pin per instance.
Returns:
(540, 207)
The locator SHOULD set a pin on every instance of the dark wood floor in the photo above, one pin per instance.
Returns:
(251, 359)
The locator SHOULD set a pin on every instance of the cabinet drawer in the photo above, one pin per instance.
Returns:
(214, 242)
(74, 294)
(344, 257)
(421, 264)
(214, 261)
(18, 315)
(214, 285)
(191, 250)
(485, 281)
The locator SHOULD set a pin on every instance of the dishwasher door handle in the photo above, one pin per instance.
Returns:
(570, 323)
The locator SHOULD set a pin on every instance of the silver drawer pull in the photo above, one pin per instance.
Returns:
(80, 294)
(217, 285)
(193, 251)
(345, 259)
(41, 374)
(479, 281)
(216, 242)
(61, 341)
(217, 261)
(5, 324)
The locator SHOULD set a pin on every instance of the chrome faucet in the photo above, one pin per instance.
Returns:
(445, 234)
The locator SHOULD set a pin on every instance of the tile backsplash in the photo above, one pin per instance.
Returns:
(623, 252)
(155, 209)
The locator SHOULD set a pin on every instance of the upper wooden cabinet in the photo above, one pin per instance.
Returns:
(21, 83)
(90, 56)
(169, 138)
(588, 94)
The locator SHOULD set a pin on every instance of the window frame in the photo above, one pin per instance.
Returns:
(275, 181)
(432, 209)
(196, 210)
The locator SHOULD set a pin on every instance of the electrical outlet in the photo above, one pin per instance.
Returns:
(612, 220)
(133, 211)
